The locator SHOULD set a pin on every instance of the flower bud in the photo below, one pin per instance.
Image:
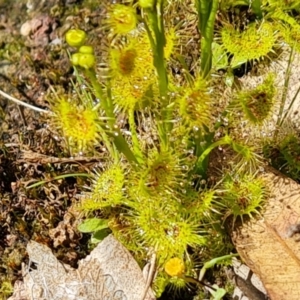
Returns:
(86, 61)
(75, 37)
(86, 49)
(75, 58)
(174, 267)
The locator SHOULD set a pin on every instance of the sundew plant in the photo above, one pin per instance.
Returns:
(177, 166)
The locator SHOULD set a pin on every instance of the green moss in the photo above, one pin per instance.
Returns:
(6, 289)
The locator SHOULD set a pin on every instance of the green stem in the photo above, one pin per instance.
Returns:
(207, 11)
(290, 106)
(113, 132)
(123, 147)
(159, 58)
(201, 141)
(105, 103)
(110, 147)
(135, 141)
(155, 17)
(158, 52)
(226, 140)
(213, 262)
(57, 178)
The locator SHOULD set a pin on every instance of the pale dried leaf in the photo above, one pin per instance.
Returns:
(266, 245)
(117, 261)
(108, 273)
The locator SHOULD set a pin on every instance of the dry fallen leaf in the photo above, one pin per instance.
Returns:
(109, 273)
(269, 245)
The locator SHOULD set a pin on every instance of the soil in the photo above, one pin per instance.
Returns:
(33, 57)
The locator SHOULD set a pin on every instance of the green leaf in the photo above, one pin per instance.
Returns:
(229, 80)
(219, 293)
(235, 63)
(218, 260)
(219, 59)
(99, 235)
(93, 224)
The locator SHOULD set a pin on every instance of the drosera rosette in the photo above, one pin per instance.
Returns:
(158, 223)
(77, 119)
(164, 171)
(132, 73)
(258, 103)
(106, 190)
(154, 223)
(283, 152)
(243, 195)
(121, 19)
(240, 154)
(195, 104)
(250, 115)
(131, 58)
(253, 43)
(203, 204)
(156, 217)
(281, 5)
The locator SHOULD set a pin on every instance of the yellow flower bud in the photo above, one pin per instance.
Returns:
(75, 37)
(75, 58)
(174, 267)
(86, 49)
(86, 61)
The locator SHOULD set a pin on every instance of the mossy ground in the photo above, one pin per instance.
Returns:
(29, 65)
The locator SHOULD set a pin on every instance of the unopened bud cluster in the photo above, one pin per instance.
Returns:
(85, 57)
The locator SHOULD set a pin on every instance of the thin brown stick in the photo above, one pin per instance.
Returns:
(33, 157)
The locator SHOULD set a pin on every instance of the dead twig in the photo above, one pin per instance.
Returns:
(33, 157)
